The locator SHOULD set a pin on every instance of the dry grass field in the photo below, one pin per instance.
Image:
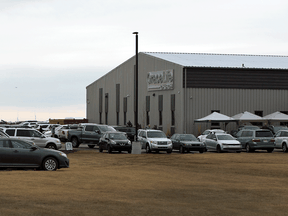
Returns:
(151, 184)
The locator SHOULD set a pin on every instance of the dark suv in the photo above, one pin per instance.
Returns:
(252, 140)
(114, 141)
(130, 131)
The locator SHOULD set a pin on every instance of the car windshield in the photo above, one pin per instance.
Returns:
(105, 128)
(225, 137)
(3, 134)
(156, 134)
(264, 134)
(188, 137)
(117, 136)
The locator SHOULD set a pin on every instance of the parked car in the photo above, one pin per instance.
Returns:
(281, 140)
(244, 127)
(187, 142)
(222, 142)
(203, 136)
(130, 131)
(62, 133)
(275, 129)
(114, 141)
(3, 134)
(88, 133)
(19, 153)
(261, 139)
(35, 136)
(154, 140)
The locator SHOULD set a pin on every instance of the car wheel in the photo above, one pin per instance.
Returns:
(238, 151)
(248, 148)
(181, 149)
(201, 151)
(270, 150)
(148, 150)
(75, 142)
(109, 149)
(51, 146)
(218, 149)
(284, 147)
(169, 151)
(91, 146)
(100, 149)
(129, 151)
(50, 164)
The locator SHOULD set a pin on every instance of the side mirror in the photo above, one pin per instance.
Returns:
(43, 136)
(33, 148)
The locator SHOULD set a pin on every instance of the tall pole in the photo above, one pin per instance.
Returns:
(136, 86)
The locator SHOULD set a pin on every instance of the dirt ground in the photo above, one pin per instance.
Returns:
(151, 184)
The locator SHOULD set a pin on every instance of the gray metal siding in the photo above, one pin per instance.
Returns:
(231, 102)
(236, 78)
(124, 75)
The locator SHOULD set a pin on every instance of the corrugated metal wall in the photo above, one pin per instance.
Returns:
(124, 75)
(231, 102)
(195, 103)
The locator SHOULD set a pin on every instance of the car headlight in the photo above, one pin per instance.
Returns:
(63, 154)
(169, 142)
(129, 142)
(153, 142)
(112, 142)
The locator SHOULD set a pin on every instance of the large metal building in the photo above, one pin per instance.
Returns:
(177, 88)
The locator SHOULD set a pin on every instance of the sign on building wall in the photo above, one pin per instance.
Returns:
(160, 80)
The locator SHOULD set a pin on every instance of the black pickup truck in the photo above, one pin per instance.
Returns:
(88, 133)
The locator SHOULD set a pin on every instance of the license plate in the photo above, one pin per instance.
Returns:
(265, 140)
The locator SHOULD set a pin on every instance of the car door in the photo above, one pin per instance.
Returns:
(23, 156)
(173, 139)
(104, 142)
(213, 142)
(90, 134)
(208, 141)
(141, 138)
(38, 138)
(6, 152)
(244, 137)
(278, 139)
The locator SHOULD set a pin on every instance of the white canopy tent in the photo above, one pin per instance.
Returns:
(215, 117)
(276, 116)
(247, 116)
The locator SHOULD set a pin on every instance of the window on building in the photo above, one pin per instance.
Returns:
(172, 118)
(147, 118)
(117, 118)
(173, 109)
(215, 124)
(106, 108)
(259, 113)
(147, 110)
(160, 108)
(100, 117)
(284, 123)
(125, 109)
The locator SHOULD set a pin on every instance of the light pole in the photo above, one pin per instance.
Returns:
(136, 86)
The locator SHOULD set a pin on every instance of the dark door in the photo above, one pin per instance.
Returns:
(23, 156)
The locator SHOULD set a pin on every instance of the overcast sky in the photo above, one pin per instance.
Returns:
(52, 49)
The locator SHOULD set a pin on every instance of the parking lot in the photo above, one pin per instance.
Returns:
(151, 184)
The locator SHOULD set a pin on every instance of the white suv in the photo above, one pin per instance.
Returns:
(35, 136)
(154, 140)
